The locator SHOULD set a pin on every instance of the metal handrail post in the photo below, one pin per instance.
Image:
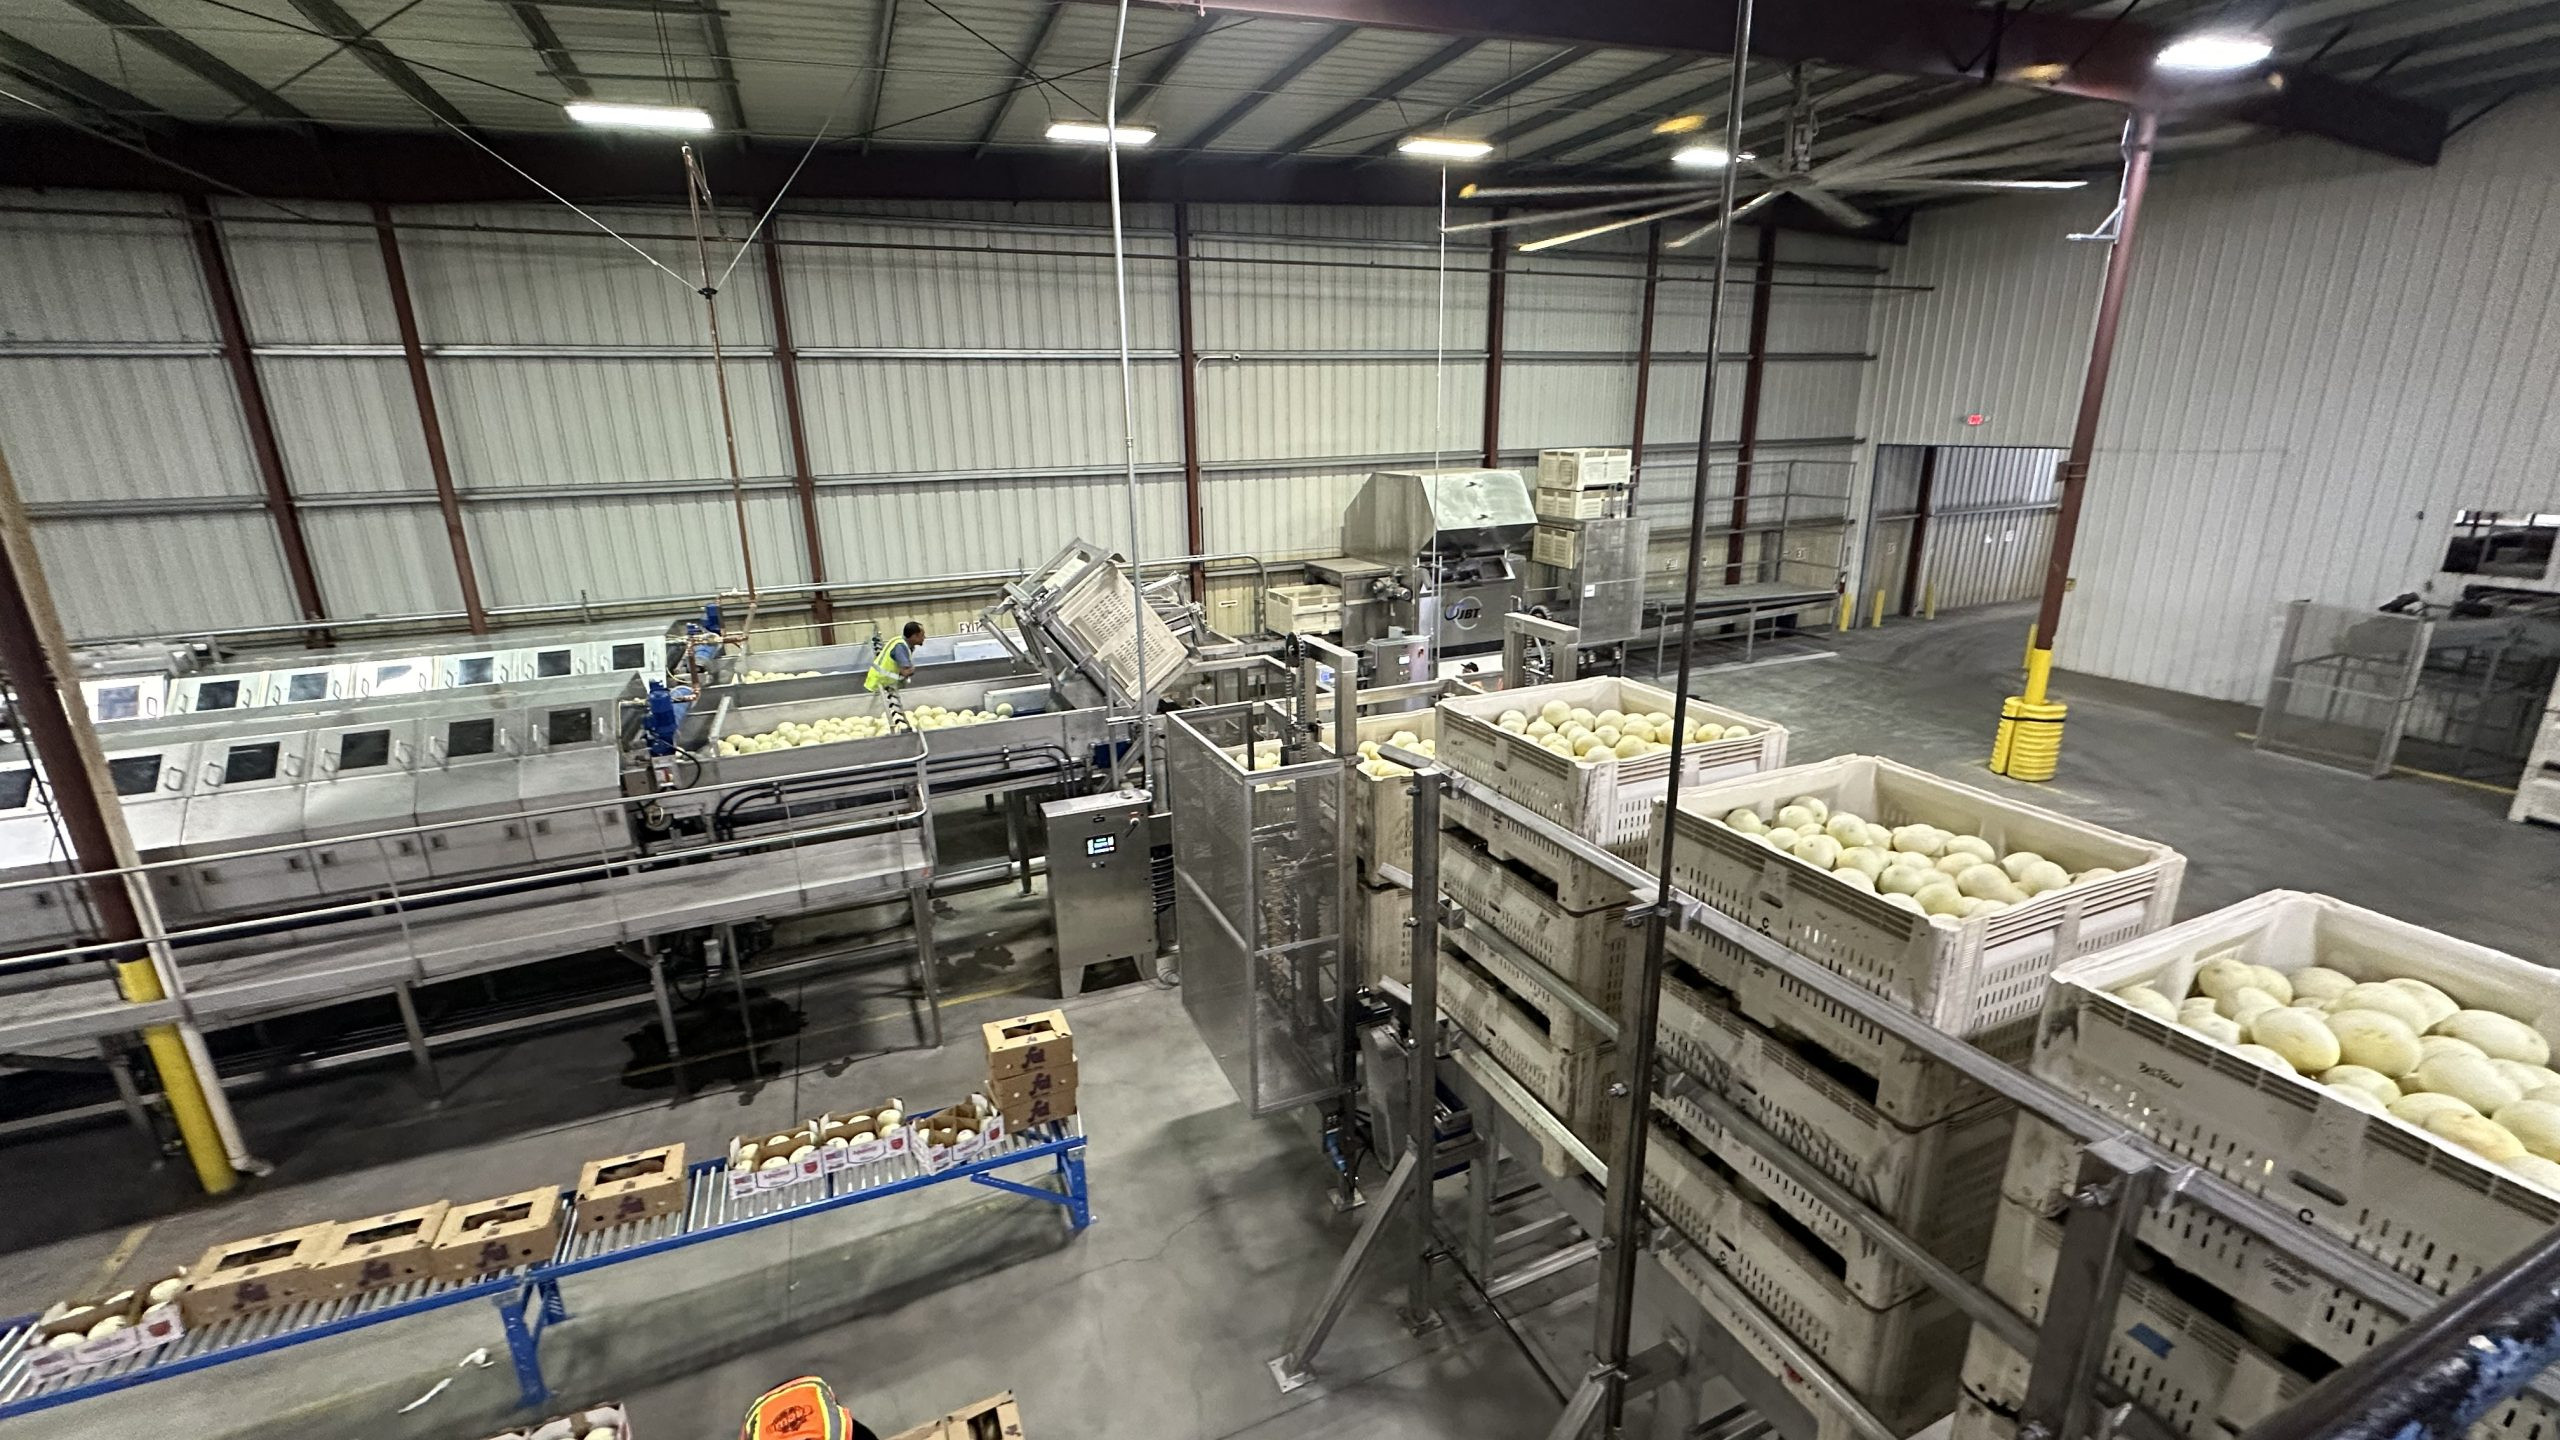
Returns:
(1421, 1124)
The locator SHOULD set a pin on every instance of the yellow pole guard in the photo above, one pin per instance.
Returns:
(1875, 613)
(1930, 605)
(1848, 611)
(2028, 745)
(141, 985)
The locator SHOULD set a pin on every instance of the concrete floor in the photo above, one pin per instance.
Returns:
(1211, 1230)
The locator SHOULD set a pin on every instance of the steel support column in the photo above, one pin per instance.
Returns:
(1187, 353)
(2144, 132)
(804, 476)
(1919, 537)
(1754, 372)
(2028, 744)
(439, 465)
(1497, 284)
(254, 415)
(1644, 358)
(45, 698)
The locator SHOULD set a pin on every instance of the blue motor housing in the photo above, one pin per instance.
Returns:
(666, 713)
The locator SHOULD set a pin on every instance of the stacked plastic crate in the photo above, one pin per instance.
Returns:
(2217, 1327)
(1916, 1141)
(1381, 806)
(1574, 486)
(1523, 897)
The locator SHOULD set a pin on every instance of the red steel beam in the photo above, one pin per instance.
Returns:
(1186, 351)
(448, 498)
(1754, 371)
(804, 476)
(1496, 290)
(254, 415)
(1644, 358)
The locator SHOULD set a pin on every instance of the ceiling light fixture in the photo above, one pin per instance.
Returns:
(1443, 147)
(1085, 132)
(638, 117)
(2214, 53)
(1704, 157)
(1680, 124)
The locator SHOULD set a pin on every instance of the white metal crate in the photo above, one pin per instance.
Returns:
(1905, 1083)
(1975, 1420)
(1302, 609)
(1974, 977)
(1576, 883)
(1555, 545)
(2189, 1369)
(1571, 506)
(2431, 1211)
(1558, 1060)
(1691, 1270)
(1611, 804)
(1592, 952)
(1900, 1359)
(1386, 946)
(1939, 1183)
(1584, 468)
(1382, 809)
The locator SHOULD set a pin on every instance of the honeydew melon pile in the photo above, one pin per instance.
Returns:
(1266, 755)
(791, 734)
(758, 677)
(1377, 767)
(1946, 875)
(2402, 1047)
(1605, 737)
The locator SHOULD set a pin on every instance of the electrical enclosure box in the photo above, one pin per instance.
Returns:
(1101, 882)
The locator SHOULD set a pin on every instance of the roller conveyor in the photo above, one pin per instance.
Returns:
(528, 1300)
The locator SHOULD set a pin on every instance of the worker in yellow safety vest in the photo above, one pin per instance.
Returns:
(895, 665)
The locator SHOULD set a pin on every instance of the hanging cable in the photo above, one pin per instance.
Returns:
(697, 191)
(1128, 408)
(1430, 622)
(788, 180)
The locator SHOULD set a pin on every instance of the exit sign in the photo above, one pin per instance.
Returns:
(1977, 419)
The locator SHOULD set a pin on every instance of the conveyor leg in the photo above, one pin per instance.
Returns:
(1290, 1370)
(1071, 1170)
(524, 1347)
(666, 1013)
(131, 1094)
(417, 1033)
(1017, 846)
(1484, 1178)
(2115, 1186)
(920, 901)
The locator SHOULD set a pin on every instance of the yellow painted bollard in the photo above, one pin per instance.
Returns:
(1875, 613)
(1848, 611)
(2028, 745)
(1930, 606)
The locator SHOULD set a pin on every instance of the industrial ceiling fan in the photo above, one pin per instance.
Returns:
(1883, 159)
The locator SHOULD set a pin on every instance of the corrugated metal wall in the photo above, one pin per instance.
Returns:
(2323, 356)
(958, 373)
